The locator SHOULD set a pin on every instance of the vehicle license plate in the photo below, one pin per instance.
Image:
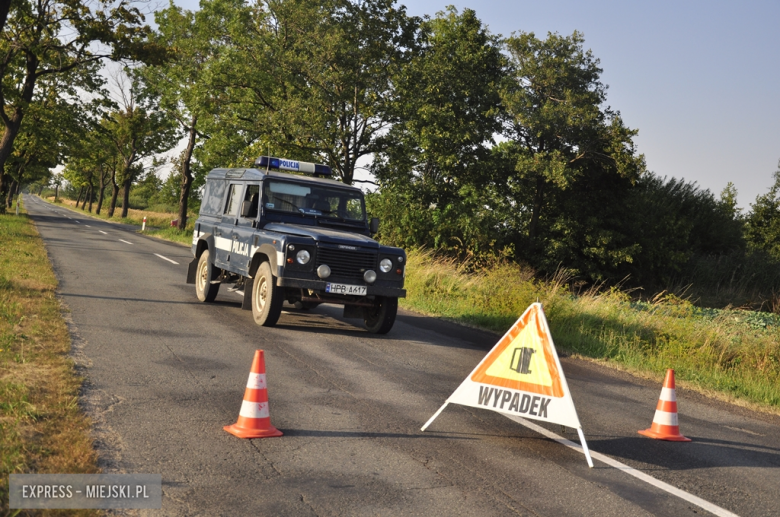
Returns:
(345, 289)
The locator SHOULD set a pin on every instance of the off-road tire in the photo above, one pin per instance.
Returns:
(267, 298)
(206, 273)
(379, 319)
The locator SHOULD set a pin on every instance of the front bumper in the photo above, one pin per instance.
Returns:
(319, 285)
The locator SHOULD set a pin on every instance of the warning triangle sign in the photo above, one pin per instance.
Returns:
(521, 377)
(524, 359)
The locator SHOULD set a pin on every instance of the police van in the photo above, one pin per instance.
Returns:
(304, 239)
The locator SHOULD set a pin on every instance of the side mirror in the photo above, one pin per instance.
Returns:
(373, 226)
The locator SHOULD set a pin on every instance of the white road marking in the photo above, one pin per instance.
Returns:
(682, 494)
(122, 240)
(88, 226)
(75, 221)
(166, 258)
(101, 231)
(744, 430)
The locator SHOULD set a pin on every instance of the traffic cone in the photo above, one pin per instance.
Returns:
(665, 425)
(254, 419)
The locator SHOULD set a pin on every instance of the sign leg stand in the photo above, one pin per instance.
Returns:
(430, 420)
(585, 447)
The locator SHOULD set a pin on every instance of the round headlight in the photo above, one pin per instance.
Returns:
(323, 271)
(386, 265)
(369, 276)
(303, 257)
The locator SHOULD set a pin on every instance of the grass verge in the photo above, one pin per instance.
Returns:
(732, 353)
(42, 429)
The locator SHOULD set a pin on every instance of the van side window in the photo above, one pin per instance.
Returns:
(252, 196)
(234, 200)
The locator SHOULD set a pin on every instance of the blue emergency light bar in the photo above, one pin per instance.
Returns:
(283, 164)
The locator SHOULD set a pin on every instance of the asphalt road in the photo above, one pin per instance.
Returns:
(165, 373)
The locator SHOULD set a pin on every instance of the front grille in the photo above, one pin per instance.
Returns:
(346, 263)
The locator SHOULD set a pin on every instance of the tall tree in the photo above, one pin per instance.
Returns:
(762, 224)
(446, 102)
(47, 37)
(565, 145)
(52, 123)
(182, 83)
(137, 130)
(313, 80)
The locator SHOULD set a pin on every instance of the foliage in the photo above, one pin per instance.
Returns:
(571, 157)
(52, 37)
(733, 352)
(183, 84)
(673, 222)
(481, 147)
(436, 155)
(137, 130)
(763, 223)
(309, 80)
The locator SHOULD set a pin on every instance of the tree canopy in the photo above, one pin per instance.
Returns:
(479, 146)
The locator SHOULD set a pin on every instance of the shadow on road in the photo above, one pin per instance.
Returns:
(700, 453)
(362, 434)
(141, 300)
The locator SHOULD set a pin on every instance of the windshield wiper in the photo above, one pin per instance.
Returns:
(288, 202)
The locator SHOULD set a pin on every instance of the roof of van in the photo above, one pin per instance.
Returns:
(251, 174)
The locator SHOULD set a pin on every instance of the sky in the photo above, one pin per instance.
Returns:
(700, 80)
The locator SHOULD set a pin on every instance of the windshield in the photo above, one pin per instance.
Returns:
(316, 200)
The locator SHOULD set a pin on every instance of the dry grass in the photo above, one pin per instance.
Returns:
(153, 219)
(731, 352)
(42, 429)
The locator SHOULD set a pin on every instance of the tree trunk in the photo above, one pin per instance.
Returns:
(78, 199)
(5, 6)
(114, 194)
(538, 201)
(9, 200)
(13, 121)
(56, 192)
(40, 190)
(186, 175)
(126, 195)
(91, 195)
(101, 192)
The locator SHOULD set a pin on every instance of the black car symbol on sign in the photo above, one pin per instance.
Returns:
(521, 360)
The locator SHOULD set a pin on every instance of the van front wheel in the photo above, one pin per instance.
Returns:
(380, 318)
(267, 297)
(206, 273)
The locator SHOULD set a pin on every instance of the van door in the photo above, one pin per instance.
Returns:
(223, 233)
(244, 229)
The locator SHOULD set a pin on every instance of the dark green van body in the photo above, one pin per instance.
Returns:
(312, 233)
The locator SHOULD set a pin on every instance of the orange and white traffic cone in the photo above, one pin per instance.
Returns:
(254, 420)
(665, 425)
